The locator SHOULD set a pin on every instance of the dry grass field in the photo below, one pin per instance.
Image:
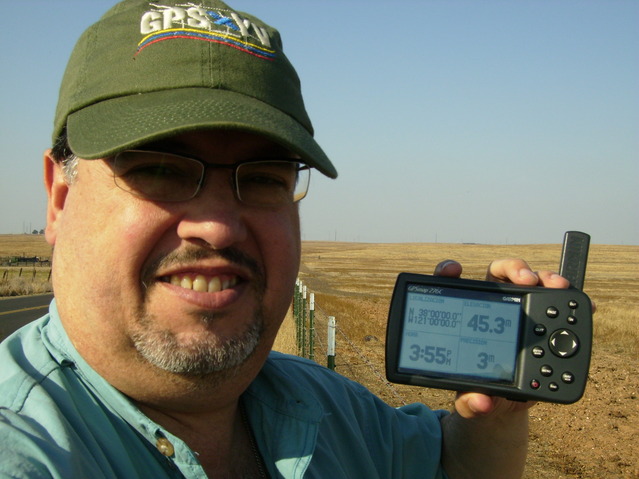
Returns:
(594, 438)
(24, 245)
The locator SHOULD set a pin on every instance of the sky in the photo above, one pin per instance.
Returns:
(492, 121)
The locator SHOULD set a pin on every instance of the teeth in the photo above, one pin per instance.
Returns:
(201, 284)
(215, 285)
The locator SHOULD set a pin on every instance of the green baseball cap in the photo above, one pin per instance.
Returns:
(152, 69)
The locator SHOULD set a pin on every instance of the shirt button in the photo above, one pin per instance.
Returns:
(165, 446)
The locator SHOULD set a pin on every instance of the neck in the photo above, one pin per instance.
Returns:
(222, 440)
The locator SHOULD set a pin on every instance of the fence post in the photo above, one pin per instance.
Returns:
(304, 322)
(295, 299)
(298, 301)
(311, 329)
(330, 347)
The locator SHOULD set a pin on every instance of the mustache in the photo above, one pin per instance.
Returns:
(193, 254)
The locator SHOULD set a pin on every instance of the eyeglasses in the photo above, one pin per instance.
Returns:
(167, 177)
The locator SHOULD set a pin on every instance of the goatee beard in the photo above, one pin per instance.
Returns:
(201, 356)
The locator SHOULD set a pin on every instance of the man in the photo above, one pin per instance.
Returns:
(181, 149)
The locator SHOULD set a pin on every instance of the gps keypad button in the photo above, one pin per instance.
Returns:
(538, 352)
(540, 329)
(568, 377)
(552, 312)
(546, 370)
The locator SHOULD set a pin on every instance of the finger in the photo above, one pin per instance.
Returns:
(550, 279)
(514, 271)
(470, 405)
(449, 268)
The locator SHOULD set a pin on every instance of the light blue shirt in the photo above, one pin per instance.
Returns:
(60, 419)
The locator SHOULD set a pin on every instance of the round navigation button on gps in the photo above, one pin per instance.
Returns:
(563, 343)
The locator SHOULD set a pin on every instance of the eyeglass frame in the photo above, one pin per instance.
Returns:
(205, 166)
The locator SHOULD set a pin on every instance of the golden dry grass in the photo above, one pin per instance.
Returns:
(286, 341)
(25, 245)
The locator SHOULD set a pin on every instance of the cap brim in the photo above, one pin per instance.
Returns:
(105, 128)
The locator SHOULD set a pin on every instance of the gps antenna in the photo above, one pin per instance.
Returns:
(574, 257)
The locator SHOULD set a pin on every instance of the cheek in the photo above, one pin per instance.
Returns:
(281, 248)
(110, 236)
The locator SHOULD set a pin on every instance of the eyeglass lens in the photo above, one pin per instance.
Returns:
(167, 177)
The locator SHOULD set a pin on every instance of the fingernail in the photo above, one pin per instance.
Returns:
(446, 263)
(442, 266)
(527, 275)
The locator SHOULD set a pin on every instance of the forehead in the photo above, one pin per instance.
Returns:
(220, 145)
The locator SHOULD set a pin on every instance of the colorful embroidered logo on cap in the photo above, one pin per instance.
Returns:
(197, 22)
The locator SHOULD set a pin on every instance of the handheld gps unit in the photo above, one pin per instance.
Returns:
(522, 343)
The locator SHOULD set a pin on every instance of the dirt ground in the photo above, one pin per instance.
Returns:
(598, 437)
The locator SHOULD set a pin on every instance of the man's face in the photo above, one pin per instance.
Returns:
(191, 287)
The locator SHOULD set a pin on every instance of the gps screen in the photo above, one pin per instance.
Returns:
(459, 333)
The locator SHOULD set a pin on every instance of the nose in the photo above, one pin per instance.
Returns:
(214, 216)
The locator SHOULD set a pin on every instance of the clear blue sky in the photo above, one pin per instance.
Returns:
(450, 121)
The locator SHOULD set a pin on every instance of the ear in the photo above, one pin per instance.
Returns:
(57, 189)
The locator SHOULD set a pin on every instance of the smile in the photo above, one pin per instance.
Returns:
(201, 283)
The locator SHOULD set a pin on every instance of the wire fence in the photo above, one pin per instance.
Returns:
(311, 320)
(27, 273)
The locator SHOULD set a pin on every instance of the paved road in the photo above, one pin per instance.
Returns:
(20, 310)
